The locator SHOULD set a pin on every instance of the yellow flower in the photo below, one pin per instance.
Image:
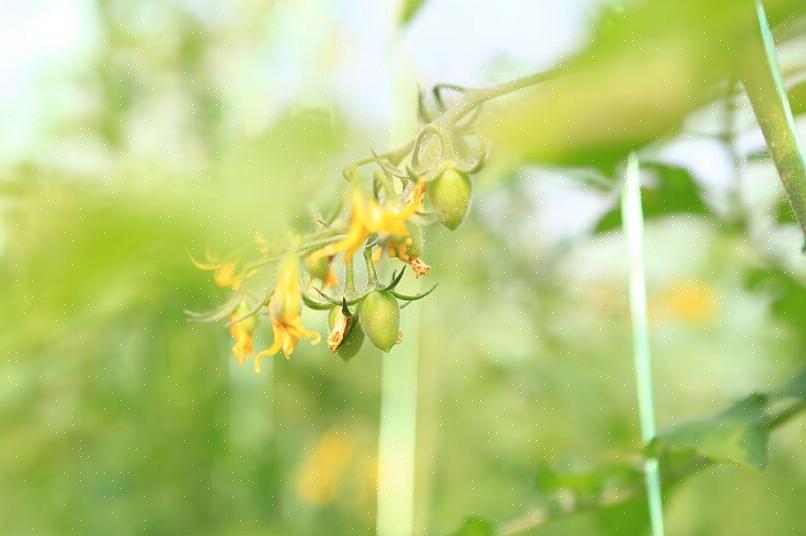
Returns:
(242, 333)
(401, 250)
(285, 308)
(223, 272)
(367, 217)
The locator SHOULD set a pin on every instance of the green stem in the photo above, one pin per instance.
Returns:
(473, 98)
(386, 184)
(765, 87)
(372, 273)
(633, 221)
(333, 235)
(785, 415)
(349, 278)
(309, 247)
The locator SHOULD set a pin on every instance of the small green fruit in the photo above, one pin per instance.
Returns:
(380, 318)
(450, 196)
(352, 340)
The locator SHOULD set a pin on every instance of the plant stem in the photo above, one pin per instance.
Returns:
(332, 235)
(764, 84)
(633, 221)
(673, 474)
(372, 273)
(473, 98)
(349, 278)
(386, 184)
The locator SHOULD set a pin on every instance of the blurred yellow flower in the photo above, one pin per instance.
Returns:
(367, 217)
(285, 308)
(690, 301)
(321, 473)
(242, 333)
(223, 271)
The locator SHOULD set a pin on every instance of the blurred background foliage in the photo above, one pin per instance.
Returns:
(170, 127)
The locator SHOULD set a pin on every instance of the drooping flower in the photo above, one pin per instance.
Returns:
(224, 272)
(242, 330)
(341, 326)
(368, 216)
(408, 249)
(285, 308)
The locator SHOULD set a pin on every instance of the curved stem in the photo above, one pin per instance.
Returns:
(473, 98)
(372, 273)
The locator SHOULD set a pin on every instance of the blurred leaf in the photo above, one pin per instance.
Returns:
(587, 482)
(475, 526)
(272, 176)
(644, 70)
(794, 388)
(409, 10)
(762, 154)
(788, 295)
(628, 517)
(674, 192)
(734, 436)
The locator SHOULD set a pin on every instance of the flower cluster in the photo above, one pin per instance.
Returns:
(382, 214)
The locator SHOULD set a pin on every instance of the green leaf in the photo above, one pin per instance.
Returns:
(645, 69)
(675, 192)
(475, 526)
(735, 436)
(788, 295)
(408, 10)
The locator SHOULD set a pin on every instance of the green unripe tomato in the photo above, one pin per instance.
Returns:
(450, 196)
(379, 314)
(317, 267)
(353, 339)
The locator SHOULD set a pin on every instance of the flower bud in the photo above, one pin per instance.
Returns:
(317, 266)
